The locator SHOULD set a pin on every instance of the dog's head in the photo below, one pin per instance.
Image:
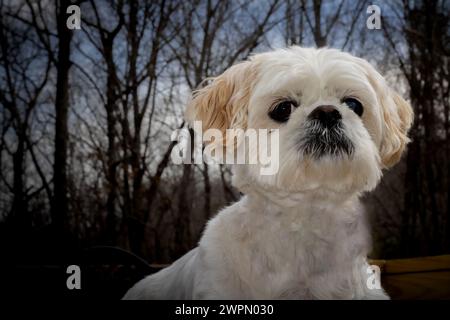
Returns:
(339, 123)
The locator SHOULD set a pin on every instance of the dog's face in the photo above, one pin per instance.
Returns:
(339, 123)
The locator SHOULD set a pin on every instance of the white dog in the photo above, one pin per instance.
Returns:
(300, 233)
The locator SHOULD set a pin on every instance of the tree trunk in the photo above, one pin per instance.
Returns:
(21, 220)
(111, 99)
(319, 38)
(60, 199)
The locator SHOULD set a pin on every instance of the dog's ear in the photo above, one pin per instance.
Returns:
(397, 117)
(223, 103)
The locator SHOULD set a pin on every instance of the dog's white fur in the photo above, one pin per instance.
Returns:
(301, 233)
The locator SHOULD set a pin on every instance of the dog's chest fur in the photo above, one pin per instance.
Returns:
(256, 249)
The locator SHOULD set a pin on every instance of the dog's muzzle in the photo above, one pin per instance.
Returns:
(324, 134)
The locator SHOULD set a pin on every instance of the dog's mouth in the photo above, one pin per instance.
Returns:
(320, 140)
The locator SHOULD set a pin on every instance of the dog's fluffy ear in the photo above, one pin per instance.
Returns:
(223, 103)
(397, 117)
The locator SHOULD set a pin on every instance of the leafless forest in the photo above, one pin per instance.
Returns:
(86, 117)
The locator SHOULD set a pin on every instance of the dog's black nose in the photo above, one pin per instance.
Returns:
(327, 115)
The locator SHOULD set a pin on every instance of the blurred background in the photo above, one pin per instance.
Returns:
(86, 117)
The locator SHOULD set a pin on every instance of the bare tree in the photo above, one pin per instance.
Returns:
(21, 88)
(110, 98)
(129, 105)
(425, 27)
(329, 23)
(63, 65)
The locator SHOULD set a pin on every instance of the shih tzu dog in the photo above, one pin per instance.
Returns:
(300, 233)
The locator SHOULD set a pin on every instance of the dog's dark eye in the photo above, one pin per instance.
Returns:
(355, 105)
(282, 111)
